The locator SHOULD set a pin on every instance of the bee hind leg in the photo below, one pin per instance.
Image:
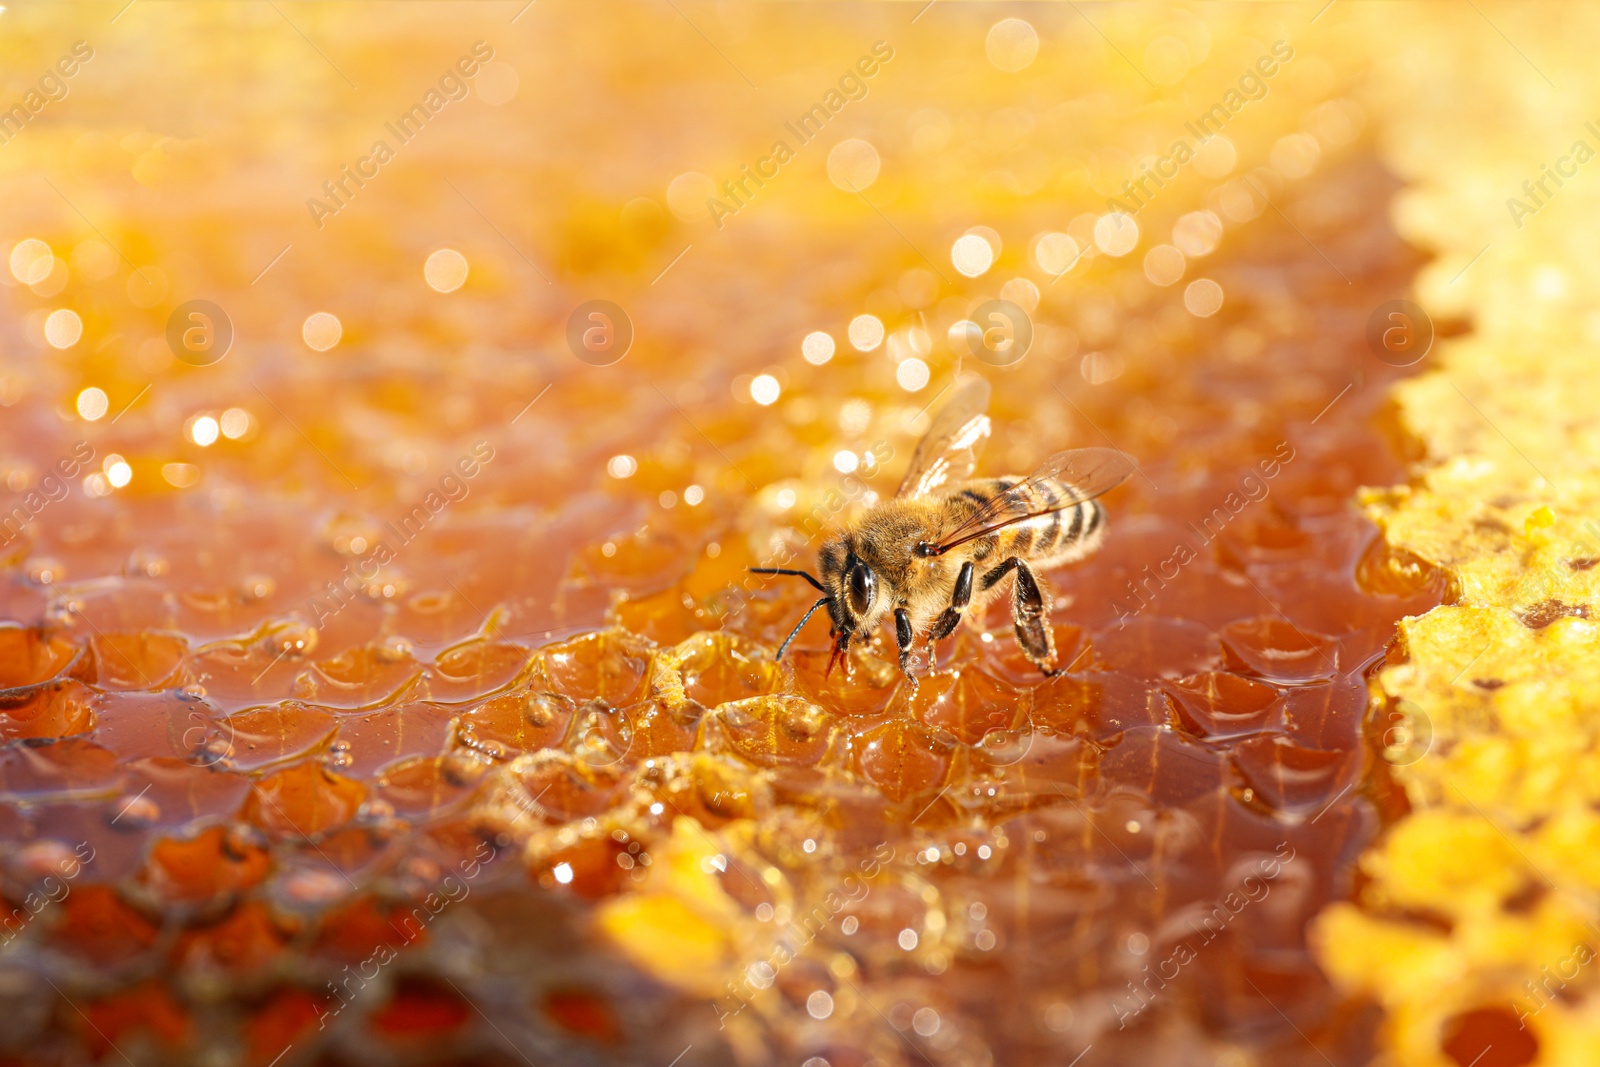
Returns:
(1030, 608)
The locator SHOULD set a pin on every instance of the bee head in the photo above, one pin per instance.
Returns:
(852, 586)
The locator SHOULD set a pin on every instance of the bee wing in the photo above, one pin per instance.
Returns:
(1086, 472)
(949, 450)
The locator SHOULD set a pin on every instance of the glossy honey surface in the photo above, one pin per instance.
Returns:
(399, 669)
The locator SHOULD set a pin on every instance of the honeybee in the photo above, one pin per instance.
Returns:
(945, 545)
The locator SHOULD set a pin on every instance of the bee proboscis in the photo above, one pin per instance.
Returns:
(946, 544)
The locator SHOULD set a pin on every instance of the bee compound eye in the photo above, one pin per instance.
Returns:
(863, 588)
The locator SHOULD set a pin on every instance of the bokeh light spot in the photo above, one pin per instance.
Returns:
(1012, 45)
(912, 375)
(853, 164)
(1203, 297)
(118, 472)
(63, 328)
(203, 431)
(764, 389)
(1055, 253)
(235, 423)
(322, 331)
(445, 270)
(1116, 234)
(866, 332)
(817, 348)
(971, 255)
(1164, 265)
(93, 404)
(31, 260)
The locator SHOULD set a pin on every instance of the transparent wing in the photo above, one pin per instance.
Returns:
(949, 450)
(1086, 473)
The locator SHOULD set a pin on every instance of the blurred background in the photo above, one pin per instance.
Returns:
(392, 396)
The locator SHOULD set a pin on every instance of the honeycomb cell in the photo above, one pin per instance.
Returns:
(355, 928)
(170, 724)
(168, 793)
(1156, 645)
(721, 668)
(302, 801)
(1165, 766)
(44, 770)
(968, 704)
(523, 721)
(420, 787)
(1290, 779)
(561, 788)
(587, 868)
(280, 1020)
(657, 729)
(213, 864)
(667, 618)
(147, 1011)
(1277, 649)
(142, 660)
(247, 939)
(863, 692)
(46, 711)
(369, 740)
(606, 665)
(420, 1010)
(28, 657)
(95, 924)
(240, 674)
(717, 791)
(1216, 705)
(903, 759)
(263, 737)
(473, 668)
(584, 1013)
(772, 731)
(1097, 704)
(1008, 662)
(359, 678)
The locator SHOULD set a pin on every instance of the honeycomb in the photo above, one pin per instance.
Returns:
(1475, 924)
(392, 689)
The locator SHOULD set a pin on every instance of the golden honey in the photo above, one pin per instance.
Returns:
(395, 398)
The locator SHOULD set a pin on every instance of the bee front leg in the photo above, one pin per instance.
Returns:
(903, 636)
(1030, 608)
(950, 618)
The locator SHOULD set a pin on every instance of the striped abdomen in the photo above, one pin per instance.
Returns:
(1059, 535)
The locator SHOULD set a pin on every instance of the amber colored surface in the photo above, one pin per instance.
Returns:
(419, 816)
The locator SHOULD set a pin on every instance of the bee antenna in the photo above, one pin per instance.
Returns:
(801, 624)
(807, 575)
